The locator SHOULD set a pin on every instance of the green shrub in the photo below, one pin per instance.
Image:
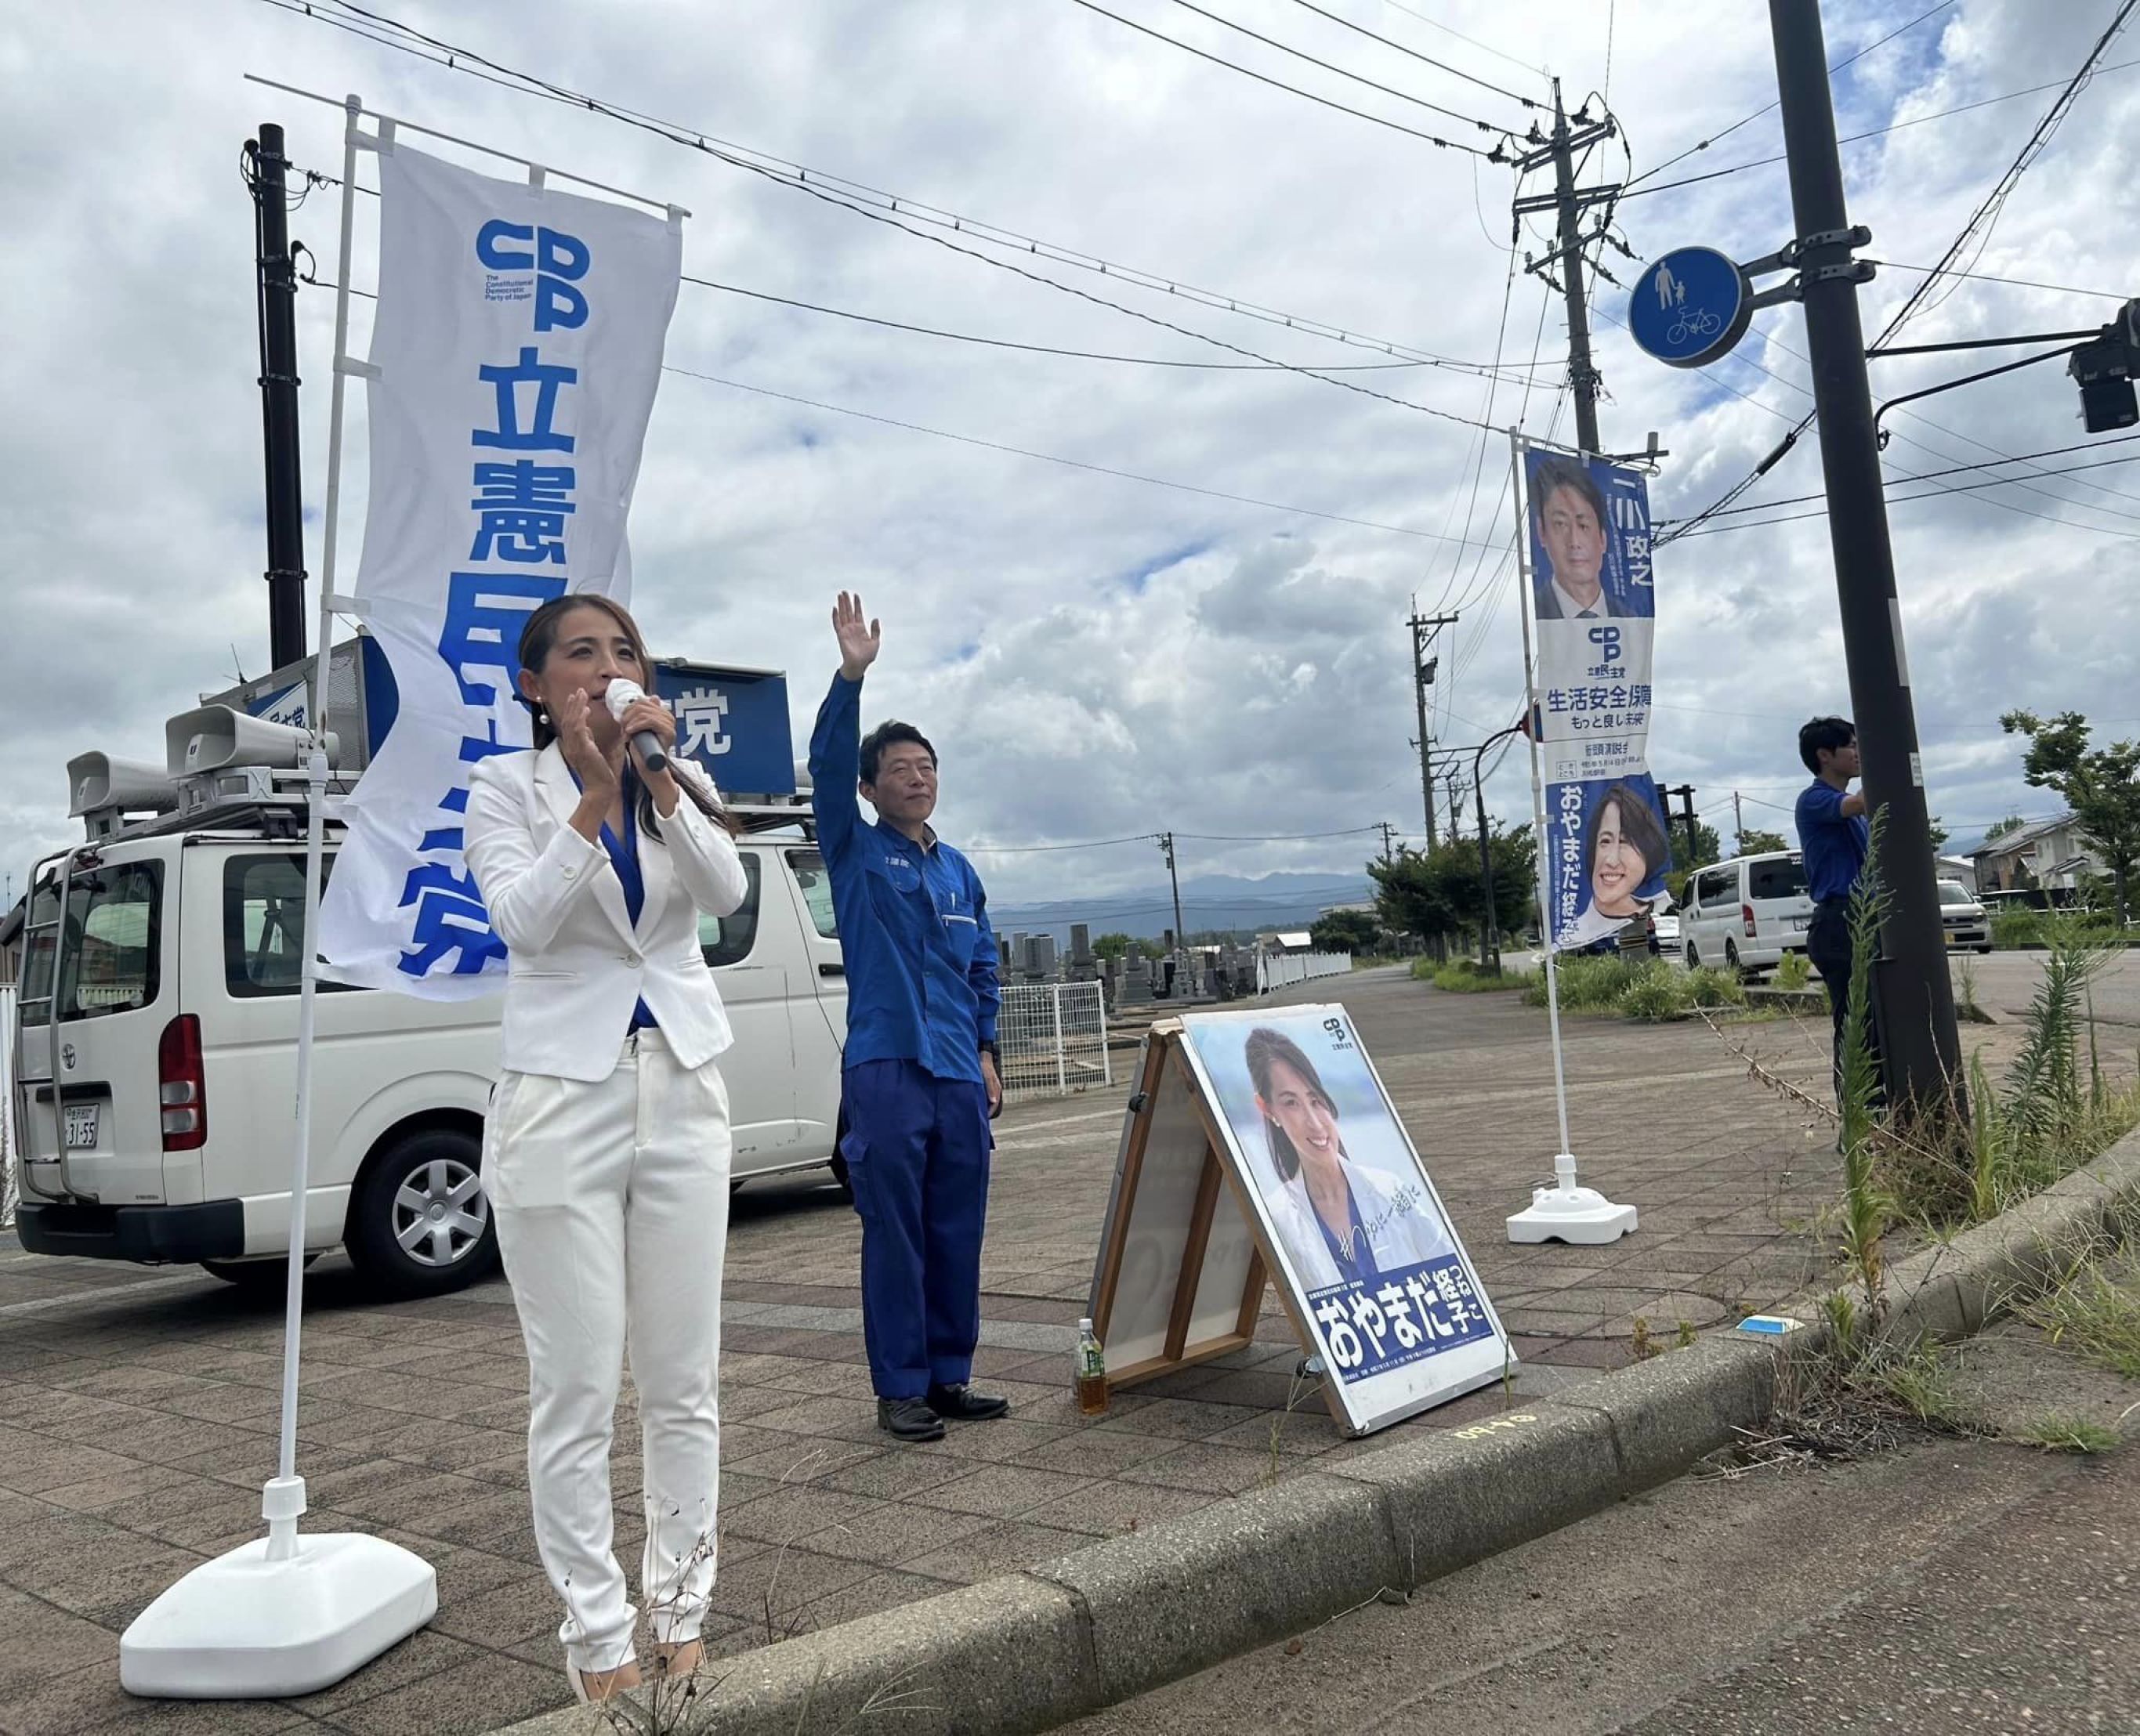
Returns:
(1659, 994)
(1793, 971)
(2017, 927)
(1422, 969)
(1712, 986)
(1463, 976)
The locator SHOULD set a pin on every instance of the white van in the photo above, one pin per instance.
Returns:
(176, 1051)
(1745, 913)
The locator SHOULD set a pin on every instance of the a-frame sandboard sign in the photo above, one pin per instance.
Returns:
(1259, 1146)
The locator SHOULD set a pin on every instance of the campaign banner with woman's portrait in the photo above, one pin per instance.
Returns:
(1592, 612)
(1374, 1266)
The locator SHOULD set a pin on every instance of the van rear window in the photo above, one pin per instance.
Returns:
(1777, 877)
(112, 944)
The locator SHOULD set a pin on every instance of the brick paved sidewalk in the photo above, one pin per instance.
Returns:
(138, 1411)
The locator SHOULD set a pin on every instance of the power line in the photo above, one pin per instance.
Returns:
(1988, 209)
(1263, 78)
(1987, 213)
(1715, 175)
(1427, 59)
(314, 179)
(455, 57)
(1718, 530)
(1769, 108)
(1298, 837)
(1004, 343)
(2021, 483)
(2106, 295)
(1142, 837)
(1050, 458)
(1792, 500)
(1484, 126)
(1450, 30)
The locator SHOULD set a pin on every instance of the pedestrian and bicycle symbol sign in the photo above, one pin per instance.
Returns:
(1691, 307)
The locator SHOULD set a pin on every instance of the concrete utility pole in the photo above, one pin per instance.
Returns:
(1914, 995)
(1453, 782)
(1424, 628)
(1568, 202)
(1180, 934)
(276, 293)
(1389, 854)
(1738, 824)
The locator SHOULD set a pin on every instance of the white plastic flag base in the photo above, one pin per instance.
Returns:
(1570, 1213)
(282, 1616)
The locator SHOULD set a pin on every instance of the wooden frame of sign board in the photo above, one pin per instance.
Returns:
(1179, 1280)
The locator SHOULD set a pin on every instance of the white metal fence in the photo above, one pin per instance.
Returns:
(1054, 1037)
(8, 1147)
(1282, 970)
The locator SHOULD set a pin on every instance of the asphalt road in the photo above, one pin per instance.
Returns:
(1957, 1586)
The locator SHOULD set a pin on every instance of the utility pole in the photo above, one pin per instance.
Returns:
(1181, 935)
(1568, 202)
(1424, 628)
(276, 294)
(1685, 791)
(1453, 782)
(1738, 824)
(1914, 997)
(1387, 832)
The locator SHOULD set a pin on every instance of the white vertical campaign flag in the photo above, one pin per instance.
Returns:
(517, 345)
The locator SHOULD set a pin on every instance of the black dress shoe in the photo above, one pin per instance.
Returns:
(908, 1419)
(963, 1405)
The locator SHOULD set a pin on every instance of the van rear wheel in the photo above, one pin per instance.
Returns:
(419, 1223)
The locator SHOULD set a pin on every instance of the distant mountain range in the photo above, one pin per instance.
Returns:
(1287, 900)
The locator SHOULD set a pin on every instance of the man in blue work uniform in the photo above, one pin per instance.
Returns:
(1834, 838)
(920, 1083)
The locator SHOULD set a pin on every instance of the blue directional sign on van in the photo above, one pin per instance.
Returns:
(1691, 307)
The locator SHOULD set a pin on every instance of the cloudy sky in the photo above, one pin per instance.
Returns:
(1097, 656)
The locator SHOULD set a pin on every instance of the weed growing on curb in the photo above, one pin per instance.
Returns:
(2055, 1432)
(2088, 1310)
(1965, 1007)
(1793, 972)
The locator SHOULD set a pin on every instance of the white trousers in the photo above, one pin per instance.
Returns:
(612, 1207)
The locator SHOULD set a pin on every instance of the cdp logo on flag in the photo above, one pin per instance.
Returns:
(557, 260)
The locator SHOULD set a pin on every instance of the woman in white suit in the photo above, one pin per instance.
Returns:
(1342, 1223)
(607, 1151)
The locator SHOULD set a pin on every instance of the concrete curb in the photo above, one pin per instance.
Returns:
(1032, 1649)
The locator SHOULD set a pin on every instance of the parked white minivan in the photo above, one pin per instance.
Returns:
(1745, 913)
(176, 1047)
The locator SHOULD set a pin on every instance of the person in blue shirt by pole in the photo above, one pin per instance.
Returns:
(920, 1080)
(1834, 838)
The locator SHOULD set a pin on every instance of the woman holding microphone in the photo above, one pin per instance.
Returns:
(606, 1148)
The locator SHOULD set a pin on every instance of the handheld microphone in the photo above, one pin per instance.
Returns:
(620, 694)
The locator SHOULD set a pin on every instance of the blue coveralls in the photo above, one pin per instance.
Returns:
(921, 1000)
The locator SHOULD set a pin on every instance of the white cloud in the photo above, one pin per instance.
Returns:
(1095, 656)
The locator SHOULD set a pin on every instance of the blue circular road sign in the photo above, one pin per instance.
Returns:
(1691, 307)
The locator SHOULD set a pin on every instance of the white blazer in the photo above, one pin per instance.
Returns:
(577, 964)
(1403, 1229)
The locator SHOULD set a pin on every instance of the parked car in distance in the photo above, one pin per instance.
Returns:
(1745, 913)
(1962, 918)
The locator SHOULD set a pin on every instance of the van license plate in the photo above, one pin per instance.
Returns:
(82, 1127)
(1800, 924)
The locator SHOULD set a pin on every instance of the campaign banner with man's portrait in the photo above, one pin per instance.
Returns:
(1591, 605)
(1374, 1266)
